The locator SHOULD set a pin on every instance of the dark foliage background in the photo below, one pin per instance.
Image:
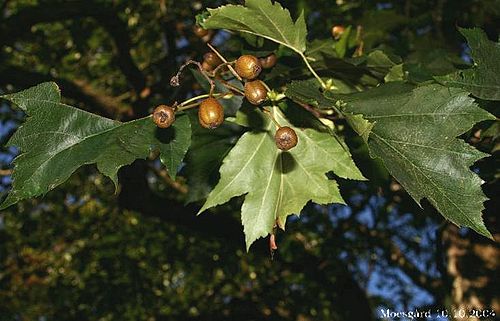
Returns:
(84, 253)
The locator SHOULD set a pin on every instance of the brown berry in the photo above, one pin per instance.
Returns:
(212, 59)
(210, 113)
(199, 31)
(255, 92)
(248, 67)
(285, 138)
(206, 66)
(268, 61)
(337, 31)
(163, 116)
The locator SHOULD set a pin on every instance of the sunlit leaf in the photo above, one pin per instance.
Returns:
(414, 133)
(262, 18)
(275, 183)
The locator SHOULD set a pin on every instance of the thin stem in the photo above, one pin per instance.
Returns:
(311, 69)
(5, 172)
(310, 109)
(174, 81)
(225, 61)
(318, 113)
(167, 179)
(219, 67)
(270, 115)
(231, 87)
(359, 40)
(187, 104)
(187, 101)
(265, 85)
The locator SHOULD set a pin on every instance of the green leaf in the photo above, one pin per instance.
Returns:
(414, 133)
(342, 45)
(308, 92)
(278, 183)
(483, 79)
(208, 149)
(317, 47)
(377, 25)
(396, 73)
(57, 139)
(262, 18)
(380, 64)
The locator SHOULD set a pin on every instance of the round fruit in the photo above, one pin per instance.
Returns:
(163, 116)
(206, 66)
(199, 31)
(248, 67)
(337, 31)
(285, 138)
(268, 61)
(212, 59)
(210, 113)
(255, 92)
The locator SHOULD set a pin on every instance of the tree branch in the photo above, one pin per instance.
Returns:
(94, 100)
(136, 195)
(19, 24)
(394, 254)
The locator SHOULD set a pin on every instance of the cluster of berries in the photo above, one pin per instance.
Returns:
(211, 112)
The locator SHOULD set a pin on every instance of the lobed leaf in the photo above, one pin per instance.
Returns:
(278, 183)
(56, 139)
(208, 149)
(483, 79)
(414, 132)
(262, 18)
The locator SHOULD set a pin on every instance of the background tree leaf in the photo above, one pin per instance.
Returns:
(57, 139)
(483, 79)
(262, 18)
(415, 132)
(278, 183)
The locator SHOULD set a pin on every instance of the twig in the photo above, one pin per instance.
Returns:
(174, 81)
(187, 104)
(231, 87)
(167, 179)
(270, 115)
(225, 61)
(5, 172)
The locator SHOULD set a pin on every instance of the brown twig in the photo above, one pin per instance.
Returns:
(270, 115)
(174, 81)
(168, 180)
(225, 61)
(231, 87)
(318, 113)
(5, 172)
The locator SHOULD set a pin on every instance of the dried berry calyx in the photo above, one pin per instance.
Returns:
(163, 116)
(255, 92)
(268, 61)
(285, 138)
(248, 67)
(210, 113)
(212, 59)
